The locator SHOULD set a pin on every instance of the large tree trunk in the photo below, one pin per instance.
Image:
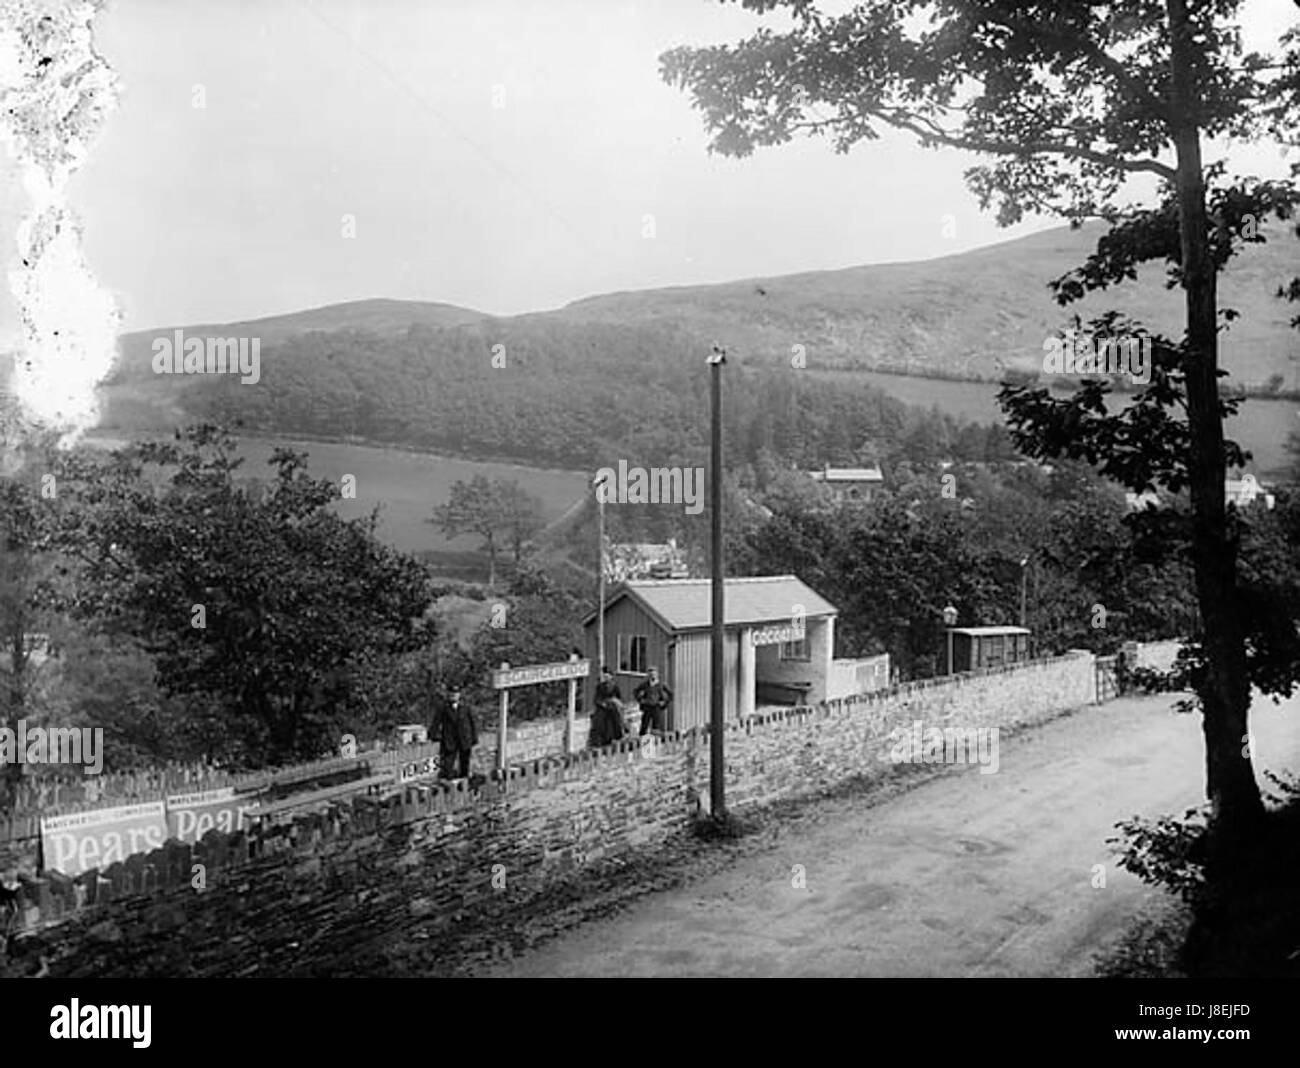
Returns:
(1225, 689)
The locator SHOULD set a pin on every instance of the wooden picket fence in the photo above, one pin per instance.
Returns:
(58, 797)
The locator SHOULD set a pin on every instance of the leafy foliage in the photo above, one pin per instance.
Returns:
(496, 510)
(892, 564)
(256, 602)
(1166, 851)
(538, 621)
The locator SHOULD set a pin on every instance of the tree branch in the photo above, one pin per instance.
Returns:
(931, 132)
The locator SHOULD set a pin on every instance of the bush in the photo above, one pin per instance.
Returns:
(1246, 905)
(1166, 851)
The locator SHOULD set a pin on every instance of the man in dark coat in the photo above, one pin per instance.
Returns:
(607, 716)
(653, 697)
(457, 734)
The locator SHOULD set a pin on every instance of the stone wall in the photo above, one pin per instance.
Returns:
(544, 738)
(299, 897)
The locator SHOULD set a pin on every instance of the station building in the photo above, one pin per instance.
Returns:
(779, 645)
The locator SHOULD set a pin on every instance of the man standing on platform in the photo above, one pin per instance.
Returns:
(653, 697)
(453, 725)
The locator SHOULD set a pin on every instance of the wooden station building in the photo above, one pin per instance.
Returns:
(779, 641)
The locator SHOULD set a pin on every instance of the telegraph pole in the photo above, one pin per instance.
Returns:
(599, 482)
(717, 687)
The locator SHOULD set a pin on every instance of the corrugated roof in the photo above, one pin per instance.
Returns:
(848, 474)
(686, 604)
(984, 632)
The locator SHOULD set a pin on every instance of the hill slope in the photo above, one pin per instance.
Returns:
(621, 375)
(968, 315)
(377, 316)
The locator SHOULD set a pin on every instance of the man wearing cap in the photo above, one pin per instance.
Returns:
(453, 725)
(653, 697)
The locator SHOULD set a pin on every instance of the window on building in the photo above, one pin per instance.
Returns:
(632, 653)
(796, 650)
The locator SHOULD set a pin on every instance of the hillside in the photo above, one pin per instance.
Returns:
(375, 316)
(621, 375)
(967, 315)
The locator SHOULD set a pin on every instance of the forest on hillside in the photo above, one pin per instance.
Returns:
(565, 394)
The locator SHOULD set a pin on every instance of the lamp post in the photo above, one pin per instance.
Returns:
(598, 482)
(717, 767)
(1024, 574)
(950, 621)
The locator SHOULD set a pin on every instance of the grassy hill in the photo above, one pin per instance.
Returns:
(969, 315)
(619, 375)
(377, 316)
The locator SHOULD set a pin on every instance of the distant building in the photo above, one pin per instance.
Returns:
(631, 561)
(1243, 492)
(994, 465)
(850, 483)
(1246, 491)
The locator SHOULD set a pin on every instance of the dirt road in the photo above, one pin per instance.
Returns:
(968, 874)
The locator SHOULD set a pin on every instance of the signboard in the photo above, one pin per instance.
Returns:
(785, 632)
(191, 816)
(527, 676)
(417, 769)
(81, 841)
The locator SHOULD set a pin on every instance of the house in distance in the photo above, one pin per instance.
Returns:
(851, 483)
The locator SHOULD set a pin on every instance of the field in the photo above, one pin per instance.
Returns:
(1261, 427)
(408, 484)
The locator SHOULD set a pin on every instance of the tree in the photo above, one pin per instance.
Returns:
(540, 622)
(474, 507)
(1070, 100)
(19, 532)
(260, 608)
(26, 572)
(521, 515)
(1292, 474)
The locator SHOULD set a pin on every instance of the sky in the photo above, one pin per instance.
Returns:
(504, 155)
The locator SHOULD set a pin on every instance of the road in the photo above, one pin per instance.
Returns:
(966, 875)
